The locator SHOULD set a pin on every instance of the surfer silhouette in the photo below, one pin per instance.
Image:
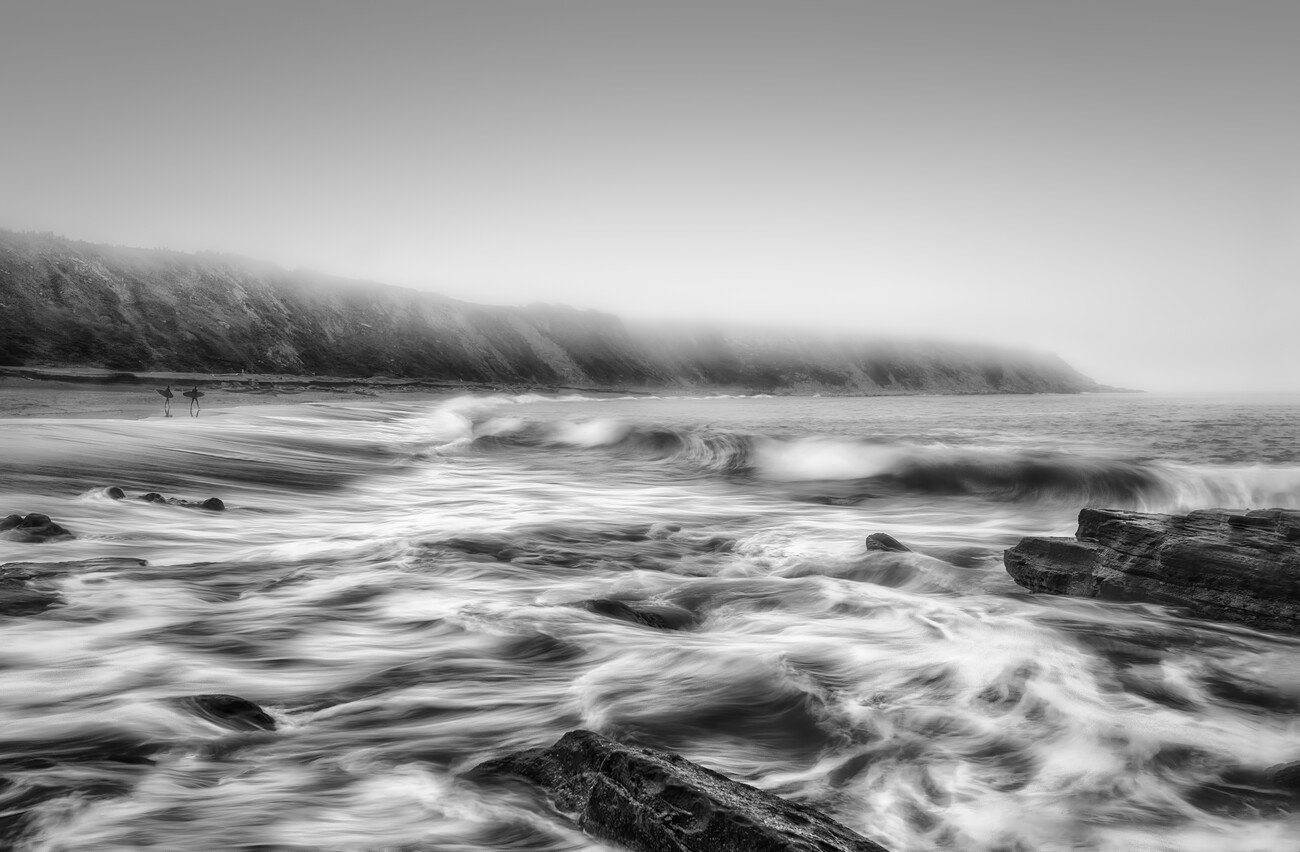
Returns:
(194, 400)
(166, 394)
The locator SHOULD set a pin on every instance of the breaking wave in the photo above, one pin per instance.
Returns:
(869, 468)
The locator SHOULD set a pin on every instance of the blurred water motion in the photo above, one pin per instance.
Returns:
(411, 588)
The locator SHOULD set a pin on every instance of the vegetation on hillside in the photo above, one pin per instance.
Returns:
(68, 303)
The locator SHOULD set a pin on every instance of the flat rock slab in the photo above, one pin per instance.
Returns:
(655, 801)
(1230, 566)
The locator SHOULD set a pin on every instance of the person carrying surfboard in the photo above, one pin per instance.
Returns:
(166, 394)
(194, 400)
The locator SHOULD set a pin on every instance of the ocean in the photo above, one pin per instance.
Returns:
(412, 587)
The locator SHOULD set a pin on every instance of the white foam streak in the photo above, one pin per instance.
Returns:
(406, 602)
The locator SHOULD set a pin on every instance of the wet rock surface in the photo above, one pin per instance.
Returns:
(22, 594)
(31, 529)
(1230, 566)
(27, 588)
(212, 504)
(654, 801)
(657, 617)
(229, 711)
(886, 542)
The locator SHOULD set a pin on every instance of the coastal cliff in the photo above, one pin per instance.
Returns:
(68, 303)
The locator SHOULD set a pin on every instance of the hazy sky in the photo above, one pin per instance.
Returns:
(1118, 182)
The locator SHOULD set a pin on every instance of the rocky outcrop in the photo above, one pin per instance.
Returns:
(68, 303)
(212, 504)
(1230, 566)
(31, 529)
(654, 801)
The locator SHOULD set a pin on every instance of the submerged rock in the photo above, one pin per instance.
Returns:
(654, 801)
(26, 589)
(31, 529)
(229, 711)
(212, 504)
(18, 596)
(886, 542)
(1242, 567)
(660, 618)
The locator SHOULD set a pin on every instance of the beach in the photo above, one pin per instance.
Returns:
(97, 393)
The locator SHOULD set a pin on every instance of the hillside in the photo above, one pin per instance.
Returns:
(68, 303)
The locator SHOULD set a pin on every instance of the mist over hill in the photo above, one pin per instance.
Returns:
(69, 303)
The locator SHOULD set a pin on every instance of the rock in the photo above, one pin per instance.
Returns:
(654, 801)
(1285, 776)
(1242, 567)
(661, 618)
(885, 541)
(25, 587)
(114, 493)
(229, 711)
(32, 529)
(212, 504)
(19, 597)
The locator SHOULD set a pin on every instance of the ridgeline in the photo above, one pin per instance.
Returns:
(65, 303)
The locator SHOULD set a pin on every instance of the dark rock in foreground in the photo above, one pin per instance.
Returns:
(886, 542)
(229, 711)
(32, 529)
(653, 801)
(1242, 567)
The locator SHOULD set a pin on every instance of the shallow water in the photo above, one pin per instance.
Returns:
(404, 587)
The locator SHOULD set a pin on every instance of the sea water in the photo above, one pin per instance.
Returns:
(406, 586)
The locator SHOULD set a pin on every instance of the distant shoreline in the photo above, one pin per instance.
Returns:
(62, 392)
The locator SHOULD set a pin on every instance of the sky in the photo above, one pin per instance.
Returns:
(1115, 182)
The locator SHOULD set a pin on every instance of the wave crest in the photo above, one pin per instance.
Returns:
(864, 467)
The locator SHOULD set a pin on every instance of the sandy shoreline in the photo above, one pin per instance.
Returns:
(90, 392)
(87, 392)
(33, 398)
